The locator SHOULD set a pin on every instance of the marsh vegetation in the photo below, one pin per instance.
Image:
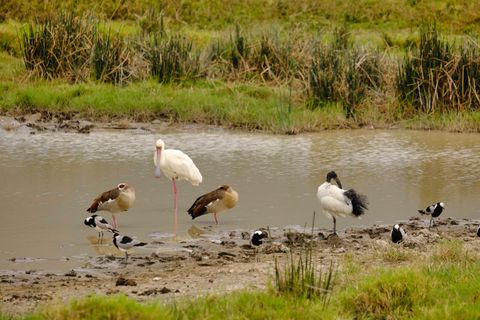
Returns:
(280, 68)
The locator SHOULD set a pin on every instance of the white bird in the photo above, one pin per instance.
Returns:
(335, 201)
(100, 224)
(433, 210)
(398, 234)
(117, 200)
(125, 243)
(175, 165)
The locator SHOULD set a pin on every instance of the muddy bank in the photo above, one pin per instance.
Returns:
(212, 263)
(71, 122)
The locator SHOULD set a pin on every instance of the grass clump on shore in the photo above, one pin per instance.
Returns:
(303, 277)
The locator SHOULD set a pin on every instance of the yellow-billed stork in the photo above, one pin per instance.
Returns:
(335, 201)
(175, 165)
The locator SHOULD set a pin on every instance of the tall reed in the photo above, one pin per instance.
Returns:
(302, 277)
(59, 47)
(111, 59)
(173, 58)
(437, 76)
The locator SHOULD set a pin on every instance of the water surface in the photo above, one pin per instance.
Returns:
(49, 179)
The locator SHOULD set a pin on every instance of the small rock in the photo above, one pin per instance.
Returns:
(125, 282)
(71, 273)
(165, 290)
(226, 254)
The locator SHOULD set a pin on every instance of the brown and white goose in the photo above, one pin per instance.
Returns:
(114, 201)
(217, 201)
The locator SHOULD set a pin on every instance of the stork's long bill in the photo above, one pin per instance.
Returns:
(157, 166)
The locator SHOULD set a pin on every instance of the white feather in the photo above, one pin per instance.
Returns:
(333, 201)
(178, 166)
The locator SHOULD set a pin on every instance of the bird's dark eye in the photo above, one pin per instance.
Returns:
(121, 186)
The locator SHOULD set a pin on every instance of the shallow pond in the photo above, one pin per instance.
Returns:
(49, 179)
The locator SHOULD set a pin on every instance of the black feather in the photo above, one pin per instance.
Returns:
(359, 202)
(90, 222)
(396, 235)
(140, 244)
(257, 237)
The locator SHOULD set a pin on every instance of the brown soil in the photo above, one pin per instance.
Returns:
(70, 122)
(218, 265)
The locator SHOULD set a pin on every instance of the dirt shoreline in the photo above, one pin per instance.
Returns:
(216, 265)
(45, 121)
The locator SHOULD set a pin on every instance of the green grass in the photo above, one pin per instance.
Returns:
(253, 66)
(231, 105)
(248, 106)
(448, 291)
(445, 285)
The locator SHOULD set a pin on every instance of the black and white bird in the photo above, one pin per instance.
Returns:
(257, 237)
(125, 243)
(398, 234)
(433, 211)
(335, 201)
(100, 224)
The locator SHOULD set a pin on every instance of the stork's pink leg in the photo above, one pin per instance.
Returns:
(215, 216)
(175, 206)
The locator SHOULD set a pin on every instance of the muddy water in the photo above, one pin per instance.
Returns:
(49, 179)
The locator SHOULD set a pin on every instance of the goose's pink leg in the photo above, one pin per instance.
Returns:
(114, 221)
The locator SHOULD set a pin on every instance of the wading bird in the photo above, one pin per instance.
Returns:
(100, 224)
(125, 243)
(114, 201)
(257, 237)
(335, 201)
(217, 201)
(175, 165)
(398, 234)
(433, 211)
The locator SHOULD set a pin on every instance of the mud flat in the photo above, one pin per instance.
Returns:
(215, 264)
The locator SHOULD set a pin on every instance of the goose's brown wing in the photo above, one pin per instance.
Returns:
(200, 206)
(109, 195)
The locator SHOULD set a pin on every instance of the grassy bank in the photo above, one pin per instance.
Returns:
(444, 285)
(279, 68)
